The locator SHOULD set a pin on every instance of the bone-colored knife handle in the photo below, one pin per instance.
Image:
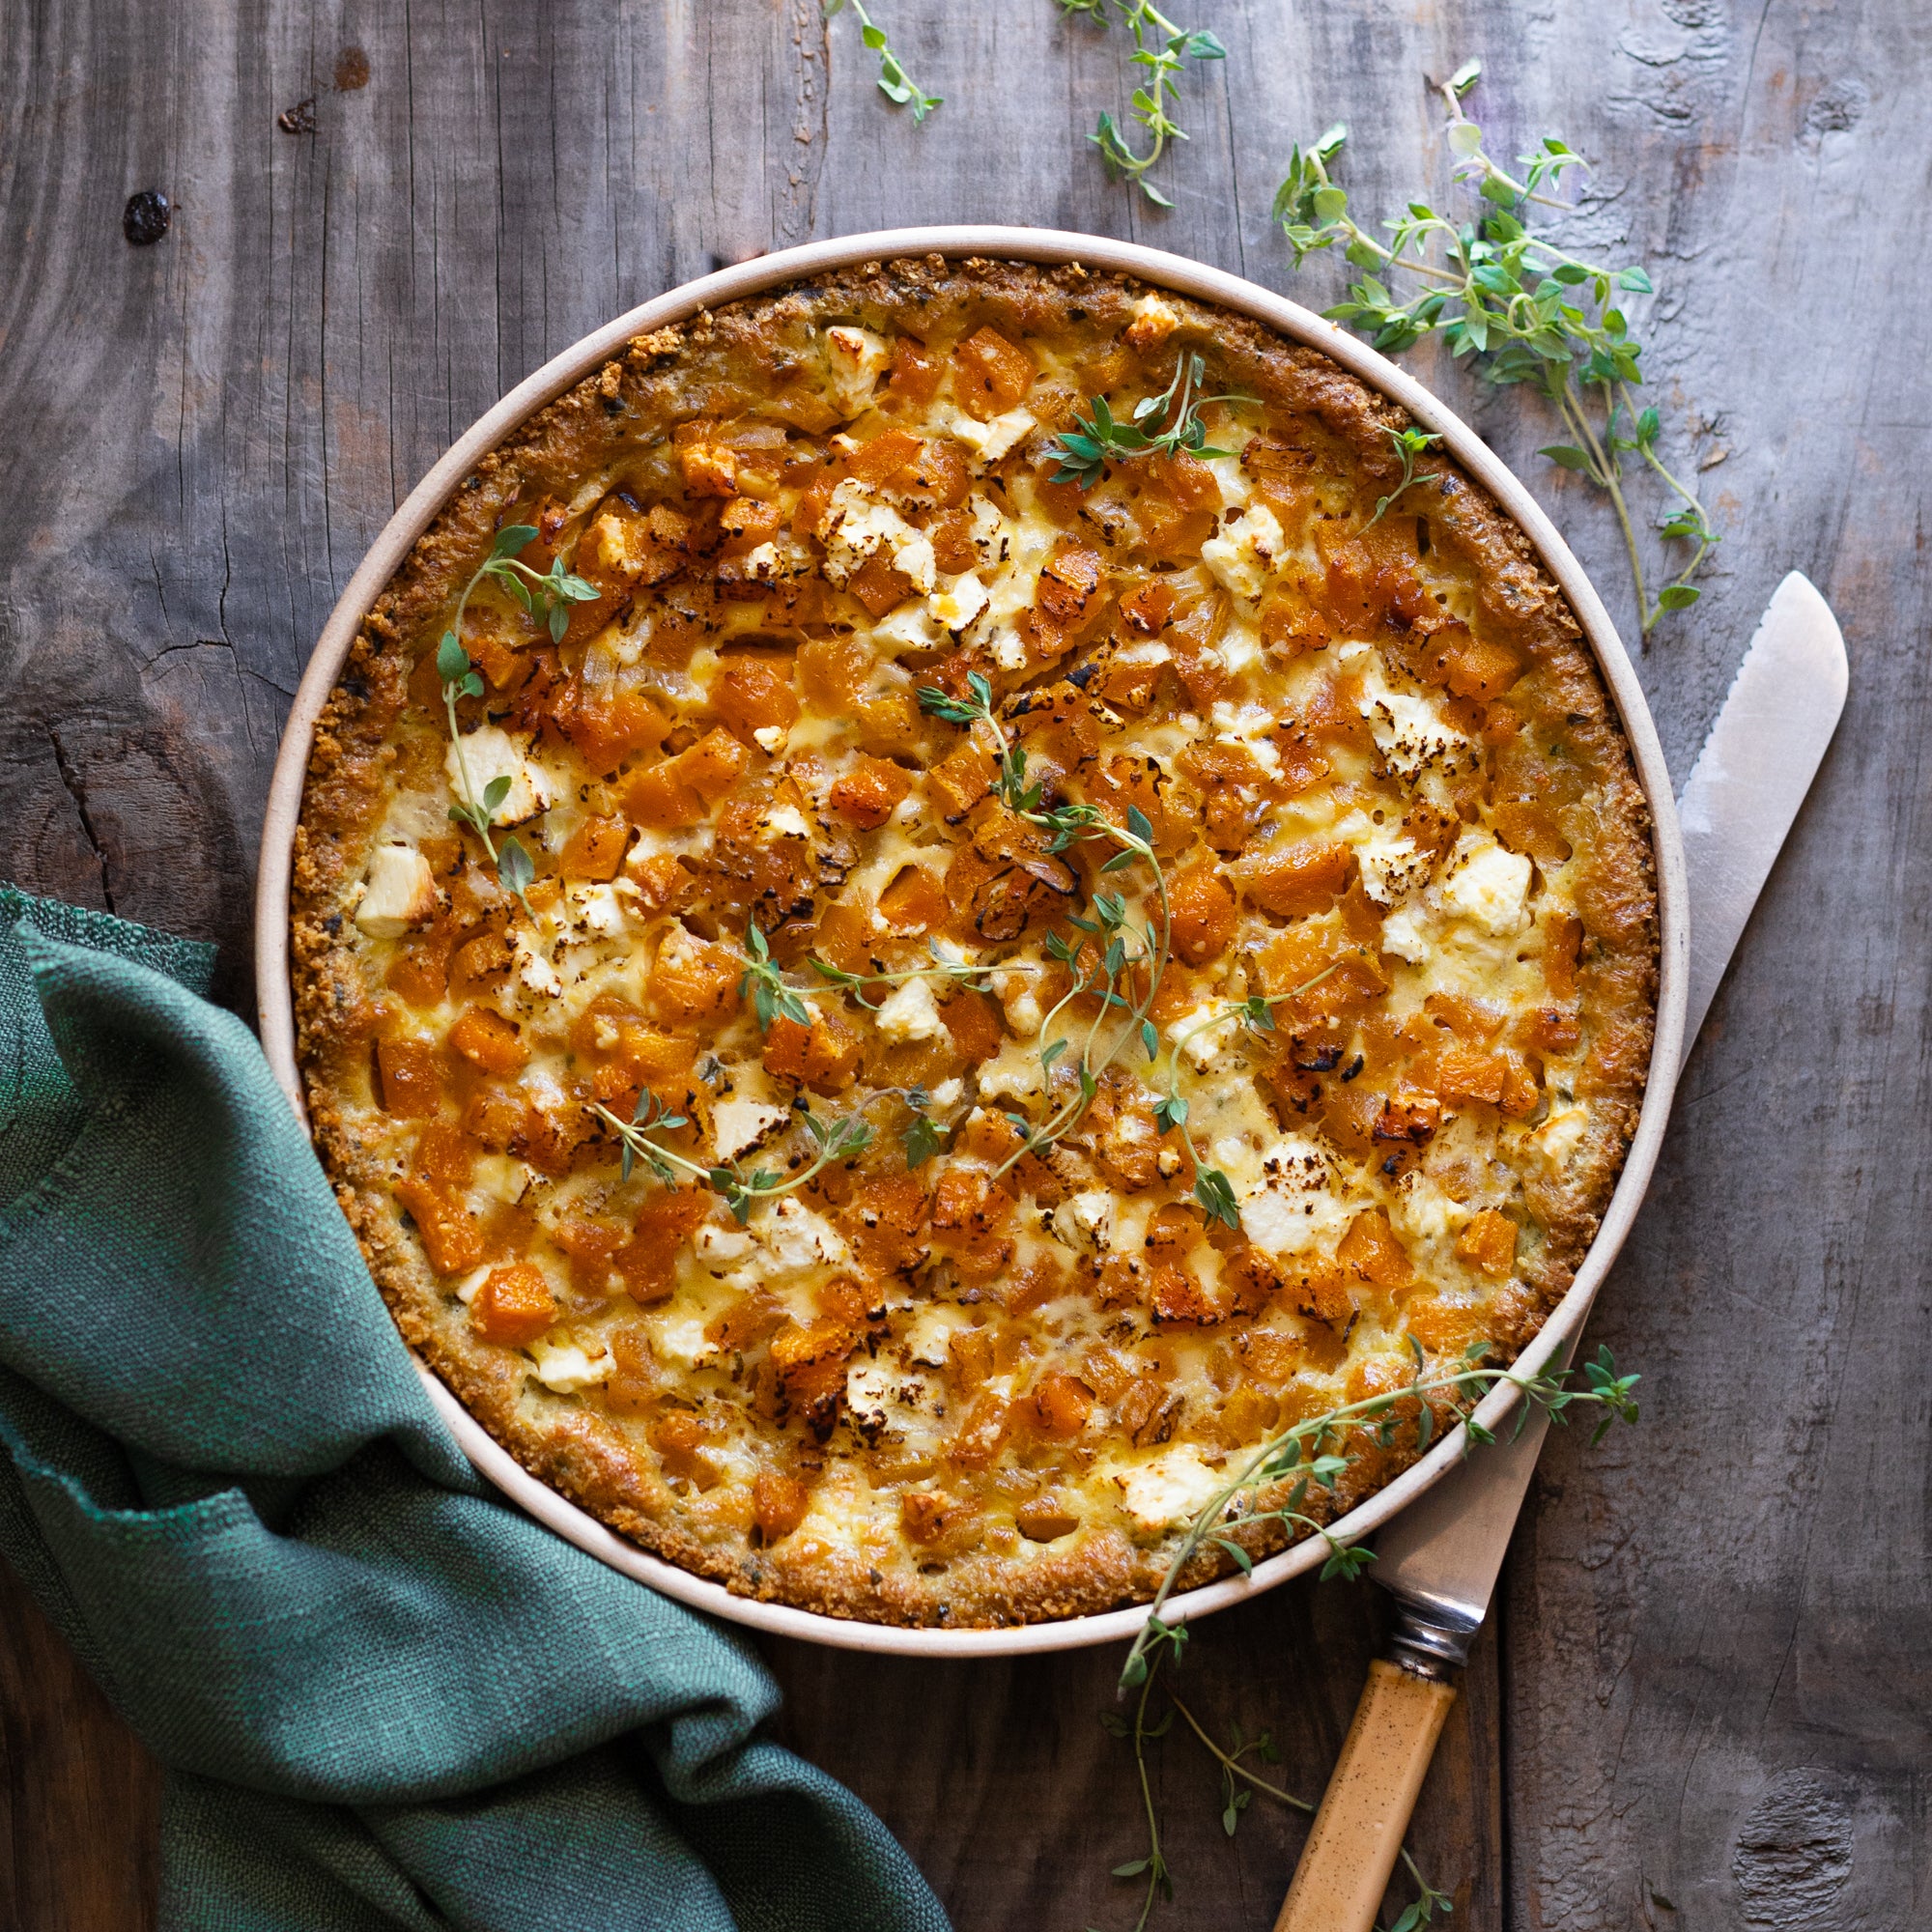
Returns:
(1357, 1833)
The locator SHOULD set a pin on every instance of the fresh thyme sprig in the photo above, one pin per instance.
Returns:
(1300, 1456)
(763, 978)
(550, 593)
(1238, 1784)
(1162, 49)
(1409, 443)
(1114, 952)
(894, 82)
(1527, 310)
(1084, 452)
(835, 1140)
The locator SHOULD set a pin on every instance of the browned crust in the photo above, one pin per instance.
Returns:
(678, 373)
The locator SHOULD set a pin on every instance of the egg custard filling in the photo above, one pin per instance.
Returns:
(897, 963)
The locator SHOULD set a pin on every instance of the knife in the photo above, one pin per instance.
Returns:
(1441, 1557)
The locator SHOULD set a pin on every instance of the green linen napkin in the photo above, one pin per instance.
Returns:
(385, 1697)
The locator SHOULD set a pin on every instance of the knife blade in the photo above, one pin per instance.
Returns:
(1440, 1559)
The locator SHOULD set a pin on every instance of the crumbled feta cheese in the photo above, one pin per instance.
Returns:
(534, 969)
(1291, 1198)
(856, 524)
(928, 1335)
(1557, 1138)
(1172, 1488)
(491, 752)
(910, 1013)
(787, 821)
(909, 628)
(1010, 651)
(598, 909)
(795, 1237)
(679, 1341)
(1240, 645)
(947, 1094)
(1487, 883)
(1013, 1073)
(566, 1367)
(1391, 862)
(471, 1284)
(1424, 1212)
(771, 738)
(400, 892)
(1241, 555)
(1232, 479)
(715, 1242)
(1220, 1026)
(1085, 1220)
(855, 359)
(957, 602)
(1154, 318)
(738, 1123)
(1402, 935)
(990, 441)
(1409, 730)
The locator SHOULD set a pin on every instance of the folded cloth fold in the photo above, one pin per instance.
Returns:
(385, 1697)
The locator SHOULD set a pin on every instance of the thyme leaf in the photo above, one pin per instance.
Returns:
(894, 82)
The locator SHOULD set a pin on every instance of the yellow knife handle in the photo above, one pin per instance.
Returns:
(1357, 1833)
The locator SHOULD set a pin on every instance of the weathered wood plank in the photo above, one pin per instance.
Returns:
(1709, 1667)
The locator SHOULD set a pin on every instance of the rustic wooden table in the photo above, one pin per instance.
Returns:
(1704, 1700)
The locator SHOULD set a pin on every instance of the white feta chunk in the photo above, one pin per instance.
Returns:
(910, 1013)
(1219, 1026)
(990, 441)
(957, 602)
(1243, 553)
(566, 1367)
(1404, 934)
(1085, 1220)
(738, 1123)
(855, 358)
(1487, 884)
(1170, 1490)
(400, 892)
(795, 1237)
(488, 754)
(1013, 1072)
(1409, 729)
(1154, 320)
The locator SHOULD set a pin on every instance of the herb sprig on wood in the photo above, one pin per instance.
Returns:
(1526, 309)
(894, 82)
(1162, 50)
(1316, 1454)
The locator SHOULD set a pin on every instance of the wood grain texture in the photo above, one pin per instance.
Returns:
(1709, 1703)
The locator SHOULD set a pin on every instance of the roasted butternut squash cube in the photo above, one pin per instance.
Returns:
(1297, 882)
(595, 850)
(823, 1056)
(754, 694)
(409, 1078)
(868, 793)
(778, 1503)
(990, 375)
(694, 978)
(1201, 909)
(512, 1307)
(915, 371)
(1489, 1242)
(487, 1039)
(1375, 1251)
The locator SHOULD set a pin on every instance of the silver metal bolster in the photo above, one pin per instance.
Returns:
(1429, 1645)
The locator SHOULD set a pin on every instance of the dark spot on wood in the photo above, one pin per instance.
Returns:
(298, 118)
(352, 70)
(146, 217)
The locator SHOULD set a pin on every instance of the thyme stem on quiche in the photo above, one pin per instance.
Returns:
(1526, 309)
(1123, 956)
(549, 594)
(894, 82)
(1098, 438)
(1164, 50)
(835, 1140)
(1409, 443)
(1299, 1456)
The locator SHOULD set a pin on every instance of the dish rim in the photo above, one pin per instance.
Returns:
(1053, 247)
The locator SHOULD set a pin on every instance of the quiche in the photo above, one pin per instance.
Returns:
(943, 901)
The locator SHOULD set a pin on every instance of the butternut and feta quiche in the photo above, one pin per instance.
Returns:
(889, 992)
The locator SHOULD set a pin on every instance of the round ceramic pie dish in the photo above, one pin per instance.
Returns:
(805, 271)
